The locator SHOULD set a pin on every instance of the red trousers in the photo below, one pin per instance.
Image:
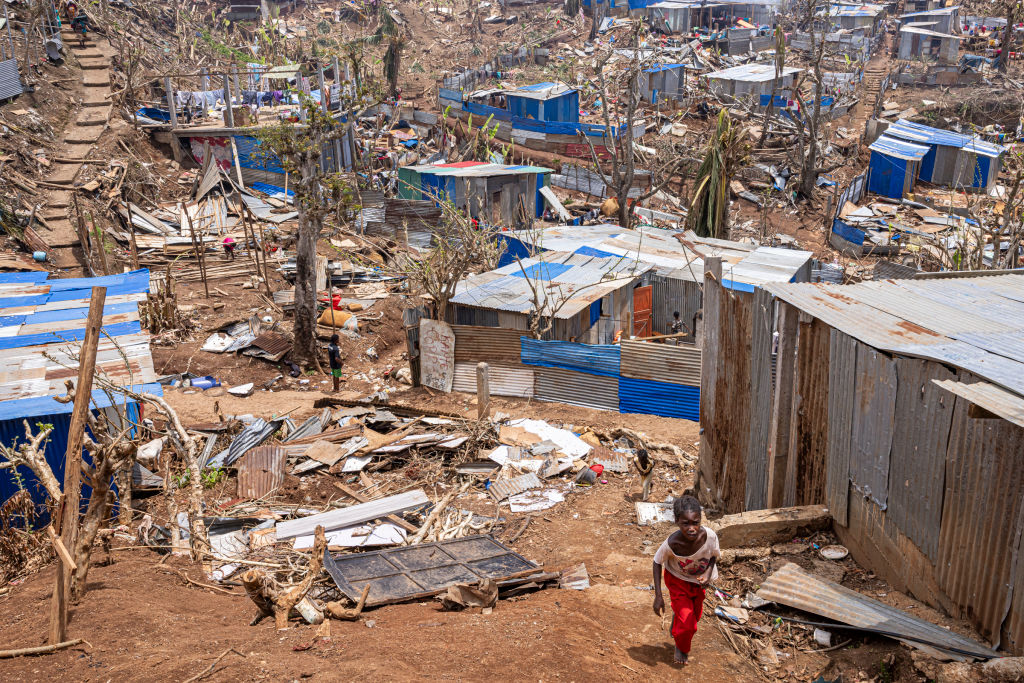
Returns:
(687, 606)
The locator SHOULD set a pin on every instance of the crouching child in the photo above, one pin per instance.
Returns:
(689, 557)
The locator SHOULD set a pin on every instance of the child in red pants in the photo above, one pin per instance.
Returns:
(689, 557)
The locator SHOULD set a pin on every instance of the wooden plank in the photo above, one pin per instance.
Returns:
(67, 514)
(357, 514)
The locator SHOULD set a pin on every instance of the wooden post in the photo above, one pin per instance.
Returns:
(171, 104)
(229, 114)
(483, 391)
(266, 272)
(67, 511)
(778, 439)
(204, 78)
(131, 231)
(325, 93)
(200, 248)
(99, 241)
(83, 235)
(234, 78)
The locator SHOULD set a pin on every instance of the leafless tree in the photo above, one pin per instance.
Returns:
(809, 153)
(615, 158)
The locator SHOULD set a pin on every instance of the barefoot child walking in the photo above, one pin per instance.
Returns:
(689, 557)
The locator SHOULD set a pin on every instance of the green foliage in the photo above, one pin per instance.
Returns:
(212, 476)
(708, 210)
(324, 27)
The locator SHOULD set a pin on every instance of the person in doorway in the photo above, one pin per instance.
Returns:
(334, 358)
(229, 248)
(689, 557)
(675, 328)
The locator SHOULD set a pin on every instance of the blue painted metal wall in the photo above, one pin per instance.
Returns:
(594, 359)
(659, 398)
(886, 175)
(635, 395)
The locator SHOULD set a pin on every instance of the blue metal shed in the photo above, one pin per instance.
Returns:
(893, 167)
(953, 158)
(545, 102)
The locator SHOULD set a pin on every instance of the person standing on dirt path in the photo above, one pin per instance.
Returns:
(334, 358)
(689, 557)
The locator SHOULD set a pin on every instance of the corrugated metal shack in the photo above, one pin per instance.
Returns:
(497, 194)
(751, 80)
(954, 159)
(589, 298)
(865, 17)
(677, 261)
(40, 316)
(918, 42)
(664, 82)
(894, 166)
(899, 404)
(941, 19)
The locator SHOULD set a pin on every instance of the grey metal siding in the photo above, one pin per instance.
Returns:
(873, 421)
(670, 295)
(661, 362)
(10, 81)
(577, 388)
(917, 464)
(504, 380)
(981, 524)
(841, 392)
(760, 400)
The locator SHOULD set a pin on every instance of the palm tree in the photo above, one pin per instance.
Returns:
(388, 30)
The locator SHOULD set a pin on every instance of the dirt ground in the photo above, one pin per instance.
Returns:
(143, 623)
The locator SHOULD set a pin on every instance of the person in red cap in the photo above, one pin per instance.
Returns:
(229, 248)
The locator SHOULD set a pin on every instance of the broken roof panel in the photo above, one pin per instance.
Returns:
(793, 587)
(900, 149)
(541, 91)
(916, 132)
(578, 279)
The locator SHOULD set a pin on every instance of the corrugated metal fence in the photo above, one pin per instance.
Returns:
(634, 377)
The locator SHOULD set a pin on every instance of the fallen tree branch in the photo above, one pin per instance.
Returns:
(205, 672)
(41, 650)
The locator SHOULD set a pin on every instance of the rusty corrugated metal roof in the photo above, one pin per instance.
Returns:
(503, 488)
(793, 587)
(976, 324)
(261, 471)
(273, 343)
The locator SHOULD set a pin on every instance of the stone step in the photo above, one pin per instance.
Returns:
(83, 135)
(91, 66)
(98, 103)
(87, 54)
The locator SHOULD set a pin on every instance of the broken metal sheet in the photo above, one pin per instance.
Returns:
(218, 342)
(359, 536)
(310, 427)
(346, 448)
(654, 513)
(142, 478)
(229, 546)
(242, 342)
(568, 443)
(503, 488)
(408, 442)
(477, 467)
(575, 578)
(453, 443)
(270, 345)
(793, 587)
(264, 211)
(534, 501)
(355, 463)
(261, 472)
(242, 390)
(350, 516)
(613, 462)
(252, 436)
(425, 569)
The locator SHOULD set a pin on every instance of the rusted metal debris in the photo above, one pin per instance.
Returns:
(261, 472)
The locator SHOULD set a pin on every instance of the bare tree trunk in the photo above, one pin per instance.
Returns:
(304, 348)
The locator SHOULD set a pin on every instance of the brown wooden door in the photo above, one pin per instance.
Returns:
(643, 298)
